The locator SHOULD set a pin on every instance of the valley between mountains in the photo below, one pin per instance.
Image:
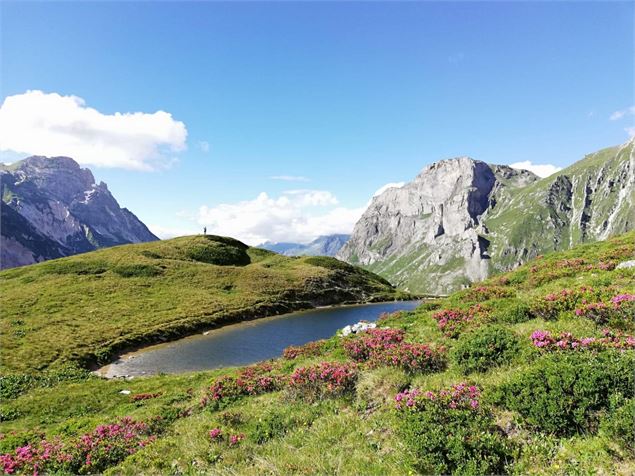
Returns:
(525, 367)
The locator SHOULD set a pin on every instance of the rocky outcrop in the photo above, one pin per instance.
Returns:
(462, 219)
(52, 208)
(327, 245)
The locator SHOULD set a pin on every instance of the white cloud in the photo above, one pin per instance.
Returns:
(623, 112)
(387, 186)
(630, 131)
(290, 178)
(541, 170)
(166, 232)
(204, 146)
(296, 216)
(50, 124)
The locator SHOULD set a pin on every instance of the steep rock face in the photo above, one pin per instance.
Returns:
(461, 219)
(53, 208)
(428, 236)
(327, 245)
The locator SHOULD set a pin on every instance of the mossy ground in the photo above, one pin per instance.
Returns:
(354, 435)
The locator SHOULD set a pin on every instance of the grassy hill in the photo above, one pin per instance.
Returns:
(529, 372)
(84, 308)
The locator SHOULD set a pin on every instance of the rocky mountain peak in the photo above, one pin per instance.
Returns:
(59, 200)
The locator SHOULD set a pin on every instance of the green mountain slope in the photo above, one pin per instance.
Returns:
(539, 405)
(462, 220)
(86, 307)
(590, 200)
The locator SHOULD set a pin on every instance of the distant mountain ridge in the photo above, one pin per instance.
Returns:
(461, 219)
(51, 208)
(327, 245)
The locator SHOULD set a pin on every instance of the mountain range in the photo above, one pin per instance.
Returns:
(461, 220)
(327, 245)
(53, 208)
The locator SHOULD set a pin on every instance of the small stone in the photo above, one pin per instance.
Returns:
(626, 264)
(125, 392)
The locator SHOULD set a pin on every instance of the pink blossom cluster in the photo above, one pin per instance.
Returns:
(566, 341)
(380, 347)
(621, 306)
(327, 379)
(549, 306)
(360, 348)
(253, 380)
(310, 349)
(451, 321)
(144, 396)
(460, 396)
(92, 452)
(216, 435)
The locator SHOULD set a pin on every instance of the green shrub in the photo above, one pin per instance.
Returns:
(510, 311)
(217, 253)
(137, 270)
(13, 385)
(459, 440)
(619, 423)
(562, 393)
(484, 348)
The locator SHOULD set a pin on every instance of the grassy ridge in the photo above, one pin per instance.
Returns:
(360, 432)
(86, 307)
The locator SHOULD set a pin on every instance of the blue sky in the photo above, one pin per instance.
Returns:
(349, 96)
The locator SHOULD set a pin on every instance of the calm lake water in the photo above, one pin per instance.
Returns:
(247, 342)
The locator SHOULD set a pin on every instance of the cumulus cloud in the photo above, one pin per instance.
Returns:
(296, 216)
(541, 170)
(617, 115)
(51, 124)
(289, 178)
(387, 186)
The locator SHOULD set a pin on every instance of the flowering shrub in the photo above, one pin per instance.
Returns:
(215, 434)
(144, 396)
(566, 341)
(360, 348)
(618, 311)
(93, 452)
(550, 306)
(409, 357)
(310, 349)
(449, 432)
(235, 439)
(563, 392)
(485, 348)
(380, 347)
(459, 396)
(452, 321)
(327, 379)
(253, 380)
(484, 293)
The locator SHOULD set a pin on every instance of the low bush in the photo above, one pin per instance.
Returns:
(563, 393)
(545, 341)
(253, 380)
(13, 385)
(484, 348)
(510, 311)
(310, 349)
(325, 380)
(449, 432)
(91, 453)
(453, 321)
(619, 422)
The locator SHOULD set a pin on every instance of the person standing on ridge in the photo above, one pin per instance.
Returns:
(205, 230)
